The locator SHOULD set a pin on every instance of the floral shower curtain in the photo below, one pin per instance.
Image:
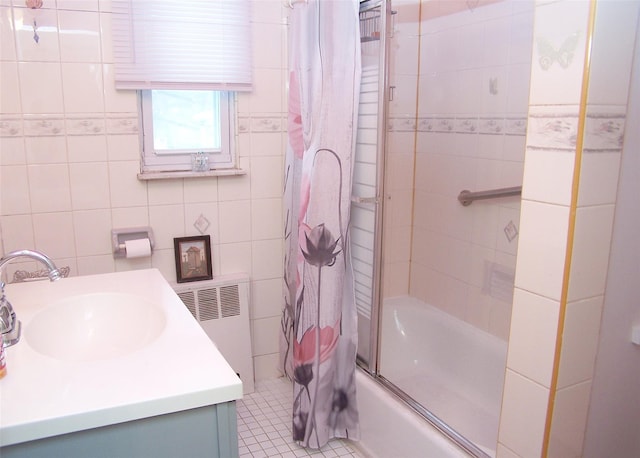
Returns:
(319, 329)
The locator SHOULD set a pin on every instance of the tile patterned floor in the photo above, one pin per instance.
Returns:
(264, 426)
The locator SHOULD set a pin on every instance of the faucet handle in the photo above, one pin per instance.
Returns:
(7, 315)
(10, 326)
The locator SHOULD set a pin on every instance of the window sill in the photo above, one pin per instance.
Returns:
(146, 176)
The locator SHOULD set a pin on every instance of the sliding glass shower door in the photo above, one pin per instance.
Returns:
(434, 278)
(366, 201)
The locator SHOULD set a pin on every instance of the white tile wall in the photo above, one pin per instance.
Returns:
(92, 229)
(580, 341)
(556, 166)
(70, 156)
(548, 179)
(569, 420)
(79, 34)
(13, 152)
(40, 95)
(592, 240)
(542, 248)
(10, 97)
(54, 234)
(7, 40)
(472, 105)
(523, 415)
(609, 79)
(599, 178)
(14, 177)
(504, 452)
(130, 216)
(533, 336)
(82, 87)
(17, 231)
(235, 221)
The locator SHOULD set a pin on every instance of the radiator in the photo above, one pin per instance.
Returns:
(221, 307)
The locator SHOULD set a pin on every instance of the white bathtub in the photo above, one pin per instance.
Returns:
(450, 367)
(388, 428)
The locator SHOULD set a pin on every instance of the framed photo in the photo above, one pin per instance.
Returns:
(193, 258)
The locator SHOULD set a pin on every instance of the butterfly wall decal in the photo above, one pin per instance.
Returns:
(472, 4)
(563, 55)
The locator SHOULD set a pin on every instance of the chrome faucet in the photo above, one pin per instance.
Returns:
(9, 324)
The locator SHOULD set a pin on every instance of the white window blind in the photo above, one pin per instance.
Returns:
(182, 44)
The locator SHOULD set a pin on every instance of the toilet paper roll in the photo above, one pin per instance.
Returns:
(138, 248)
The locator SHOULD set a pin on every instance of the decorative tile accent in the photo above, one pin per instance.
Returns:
(426, 124)
(20, 276)
(85, 126)
(493, 126)
(122, 125)
(548, 54)
(39, 127)
(515, 126)
(552, 131)
(604, 132)
(462, 125)
(510, 231)
(202, 223)
(244, 125)
(266, 124)
(444, 125)
(466, 125)
(403, 124)
(10, 127)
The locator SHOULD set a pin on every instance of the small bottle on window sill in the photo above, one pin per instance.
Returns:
(200, 162)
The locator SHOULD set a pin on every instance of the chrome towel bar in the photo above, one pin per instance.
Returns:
(466, 197)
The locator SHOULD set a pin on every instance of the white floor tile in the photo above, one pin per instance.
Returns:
(264, 425)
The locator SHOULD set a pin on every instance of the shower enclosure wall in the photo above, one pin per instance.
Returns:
(443, 109)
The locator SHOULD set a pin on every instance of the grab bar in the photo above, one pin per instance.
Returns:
(364, 200)
(466, 197)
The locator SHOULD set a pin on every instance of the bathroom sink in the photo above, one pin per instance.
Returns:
(102, 351)
(98, 326)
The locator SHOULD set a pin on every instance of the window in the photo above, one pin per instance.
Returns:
(187, 130)
(186, 58)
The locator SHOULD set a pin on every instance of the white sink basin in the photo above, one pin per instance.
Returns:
(105, 349)
(91, 327)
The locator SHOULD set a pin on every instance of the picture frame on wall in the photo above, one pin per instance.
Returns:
(193, 258)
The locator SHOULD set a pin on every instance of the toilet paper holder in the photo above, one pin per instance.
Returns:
(119, 236)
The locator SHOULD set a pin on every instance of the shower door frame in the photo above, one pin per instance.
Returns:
(371, 366)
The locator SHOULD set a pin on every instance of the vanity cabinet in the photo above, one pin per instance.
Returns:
(209, 431)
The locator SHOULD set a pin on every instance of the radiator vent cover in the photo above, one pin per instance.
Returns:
(229, 301)
(189, 299)
(208, 301)
(221, 307)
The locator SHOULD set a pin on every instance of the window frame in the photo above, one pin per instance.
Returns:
(152, 162)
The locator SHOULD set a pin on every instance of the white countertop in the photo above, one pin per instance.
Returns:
(42, 396)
